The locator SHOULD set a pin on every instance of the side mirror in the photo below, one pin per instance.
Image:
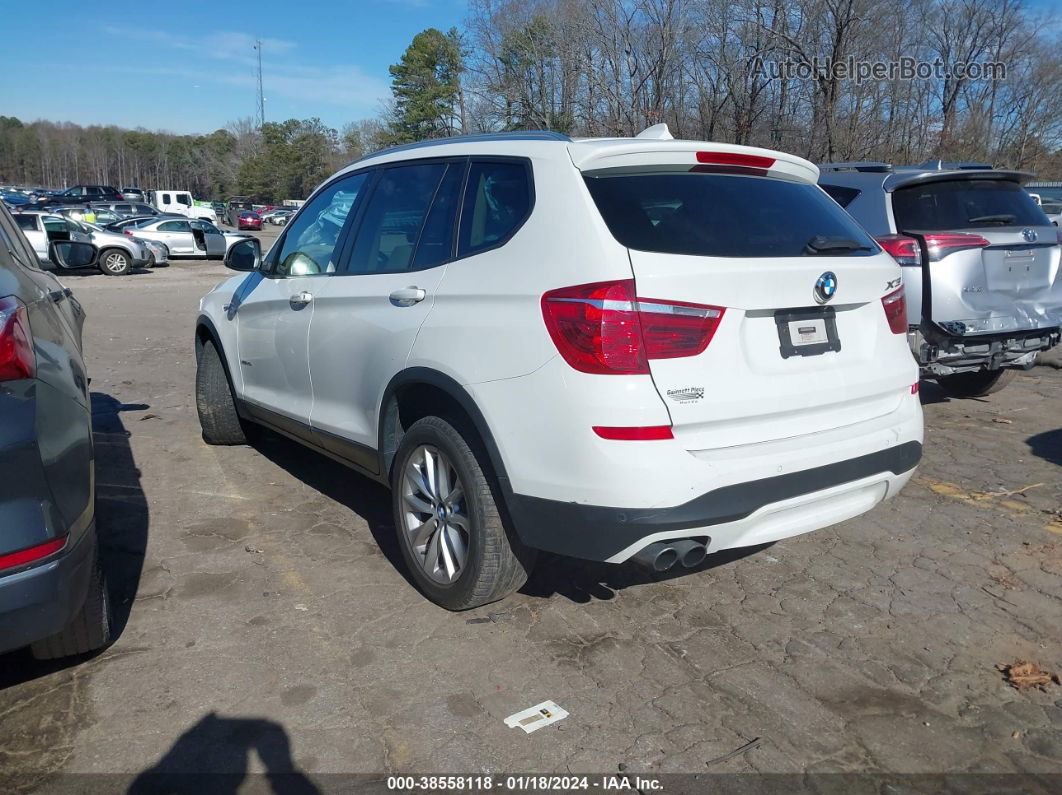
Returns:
(244, 255)
(70, 255)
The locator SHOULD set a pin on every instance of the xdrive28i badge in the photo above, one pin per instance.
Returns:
(825, 287)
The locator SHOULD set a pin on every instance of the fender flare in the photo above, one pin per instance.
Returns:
(204, 321)
(426, 375)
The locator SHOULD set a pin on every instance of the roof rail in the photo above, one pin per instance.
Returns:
(872, 166)
(953, 165)
(516, 135)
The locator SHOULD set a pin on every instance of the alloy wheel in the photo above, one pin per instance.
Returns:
(434, 514)
(115, 262)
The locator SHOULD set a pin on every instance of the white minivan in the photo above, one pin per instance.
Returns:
(611, 349)
(180, 202)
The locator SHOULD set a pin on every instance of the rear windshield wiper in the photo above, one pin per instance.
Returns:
(820, 244)
(1002, 218)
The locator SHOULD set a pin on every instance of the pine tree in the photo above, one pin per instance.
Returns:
(426, 85)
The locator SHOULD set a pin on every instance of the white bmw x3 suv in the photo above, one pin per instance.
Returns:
(609, 349)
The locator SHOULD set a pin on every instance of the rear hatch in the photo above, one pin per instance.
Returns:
(993, 258)
(803, 343)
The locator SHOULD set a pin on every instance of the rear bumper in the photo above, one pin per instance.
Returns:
(740, 514)
(38, 602)
(951, 355)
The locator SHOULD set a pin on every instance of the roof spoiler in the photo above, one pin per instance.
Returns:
(869, 166)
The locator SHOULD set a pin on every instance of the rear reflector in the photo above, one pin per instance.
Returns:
(914, 388)
(603, 328)
(901, 248)
(895, 304)
(17, 359)
(645, 433)
(735, 159)
(24, 556)
(940, 244)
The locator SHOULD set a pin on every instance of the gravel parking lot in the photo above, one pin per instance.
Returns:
(267, 622)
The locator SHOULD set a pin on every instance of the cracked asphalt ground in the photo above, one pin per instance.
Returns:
(266, 620)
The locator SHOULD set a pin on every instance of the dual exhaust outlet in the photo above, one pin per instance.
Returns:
(662, 555)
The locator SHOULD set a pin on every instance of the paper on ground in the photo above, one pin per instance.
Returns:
(534, 718)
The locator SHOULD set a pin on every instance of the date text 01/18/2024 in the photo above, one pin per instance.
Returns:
(521, 783)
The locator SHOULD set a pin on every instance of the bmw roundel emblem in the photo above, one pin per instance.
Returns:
(825, 287)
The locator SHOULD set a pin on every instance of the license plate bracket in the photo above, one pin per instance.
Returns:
(807, 332)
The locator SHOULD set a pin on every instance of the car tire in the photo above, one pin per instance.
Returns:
(494, 562)
(979, 384)
(114, 262)
(214, 401)
(88, 630)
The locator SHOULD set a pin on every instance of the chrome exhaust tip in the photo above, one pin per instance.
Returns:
(690, 553)
(658, 556)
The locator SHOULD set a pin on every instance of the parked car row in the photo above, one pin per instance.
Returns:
(118, 253)
(126, 201)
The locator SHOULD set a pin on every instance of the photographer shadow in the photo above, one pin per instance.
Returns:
(213, 757)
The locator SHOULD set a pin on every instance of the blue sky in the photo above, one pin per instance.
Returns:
(189, 66)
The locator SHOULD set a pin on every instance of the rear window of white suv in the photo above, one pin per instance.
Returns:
(723, 215)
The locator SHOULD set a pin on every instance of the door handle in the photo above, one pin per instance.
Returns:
(57, 295)
(301, 299)
(407, 296)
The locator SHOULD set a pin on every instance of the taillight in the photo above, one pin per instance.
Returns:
(903, 249)
(39, 552)
(17, 359)
(127, 233)
(895, 304)
(672, 329)
(603, 328)
(940, 244)
(1058, 234)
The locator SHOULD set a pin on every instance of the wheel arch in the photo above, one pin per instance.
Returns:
(115, 247)
(206, 331)
(420, 391)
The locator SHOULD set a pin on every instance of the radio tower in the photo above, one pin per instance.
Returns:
(261, 96)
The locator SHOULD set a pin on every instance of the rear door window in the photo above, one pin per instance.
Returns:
(174, 226)
(722, 215)
(26, 222)
(965, 204)
(498, 199)
(437, 237)
(394, 215)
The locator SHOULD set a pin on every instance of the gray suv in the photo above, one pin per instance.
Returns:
(53, 596)
(981, 264)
